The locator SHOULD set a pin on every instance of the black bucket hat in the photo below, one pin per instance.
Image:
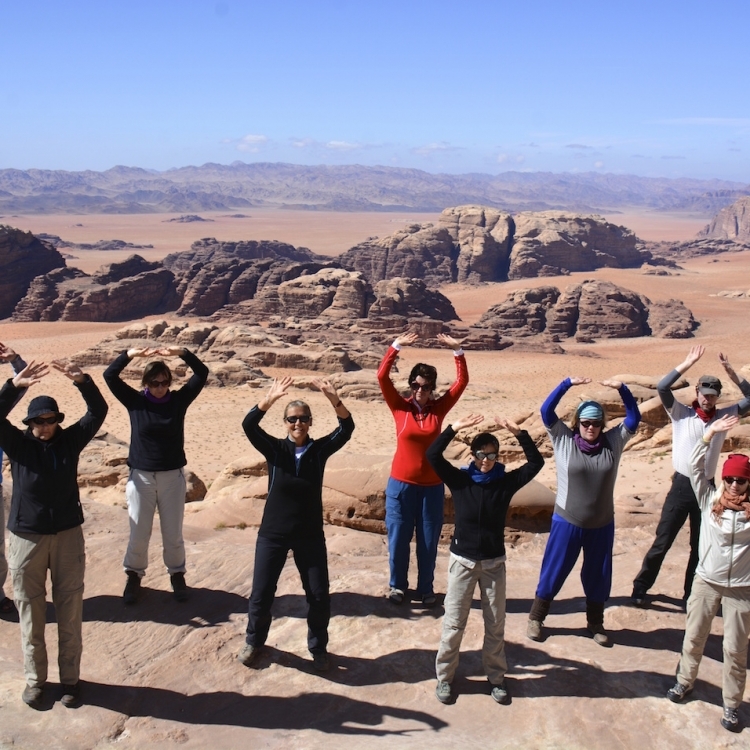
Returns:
(42, 405)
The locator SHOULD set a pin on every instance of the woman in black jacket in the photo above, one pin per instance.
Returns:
(481, 495)
(45, 524)
(156, 460)
(293, 516)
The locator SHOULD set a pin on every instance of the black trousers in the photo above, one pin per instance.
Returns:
(679, 505)
(312, 563)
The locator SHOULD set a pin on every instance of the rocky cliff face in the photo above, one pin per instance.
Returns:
(475, 244)
(588, 311)
(119, 291)
(731, 223)
(551, 243)
(22, 258)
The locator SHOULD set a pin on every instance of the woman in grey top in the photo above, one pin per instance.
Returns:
(587, 459)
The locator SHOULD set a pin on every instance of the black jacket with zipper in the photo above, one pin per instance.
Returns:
(45, 496)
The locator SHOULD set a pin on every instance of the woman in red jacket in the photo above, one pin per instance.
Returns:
(414, 495)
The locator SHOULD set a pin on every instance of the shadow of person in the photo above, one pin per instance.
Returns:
(325, 712)
(205, 608)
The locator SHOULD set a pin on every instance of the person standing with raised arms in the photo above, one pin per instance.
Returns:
(293, 516)
(689, 424)
(414, 495)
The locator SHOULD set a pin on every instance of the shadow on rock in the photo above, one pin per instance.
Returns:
(324, 712)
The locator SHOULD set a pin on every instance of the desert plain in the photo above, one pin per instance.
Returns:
(162, 674)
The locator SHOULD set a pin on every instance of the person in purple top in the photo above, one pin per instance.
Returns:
(587, 458)
(156, 460)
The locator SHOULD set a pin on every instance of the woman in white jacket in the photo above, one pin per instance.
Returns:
(722, 577)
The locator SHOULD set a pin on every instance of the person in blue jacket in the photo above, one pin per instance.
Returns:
(587, 457)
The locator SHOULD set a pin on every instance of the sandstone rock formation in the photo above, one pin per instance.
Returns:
(475, 243)
(587, 311)
(22, 258)
(731, 223)
(118, 291)
(550, 243)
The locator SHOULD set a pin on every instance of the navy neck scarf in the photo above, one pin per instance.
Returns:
(496, 472)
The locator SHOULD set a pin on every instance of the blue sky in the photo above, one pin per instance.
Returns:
(657, 88)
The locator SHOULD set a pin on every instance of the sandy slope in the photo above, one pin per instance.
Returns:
(165, 675)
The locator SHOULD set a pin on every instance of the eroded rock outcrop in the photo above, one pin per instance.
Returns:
(587, 311)
(118, 291)
(476, 243)
(731, 223)
(551, 243)
(23, 257)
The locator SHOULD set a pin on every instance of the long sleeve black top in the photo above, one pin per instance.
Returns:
(45, 496)
(480, 509)
(294, 506)
(157, 430)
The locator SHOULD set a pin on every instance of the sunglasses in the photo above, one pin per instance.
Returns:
(590, 423)
(421, 386)
(44, 420)
(158, 383)
(735, 480)
(304, 418)
(481, 455)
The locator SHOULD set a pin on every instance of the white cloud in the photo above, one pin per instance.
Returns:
(598, 164)
(433, 148)
(251, 143)
(302, 142)
(343, 146)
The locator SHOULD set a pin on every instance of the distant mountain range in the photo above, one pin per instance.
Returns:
(218, 187)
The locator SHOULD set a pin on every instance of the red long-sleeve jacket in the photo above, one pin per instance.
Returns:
(415, 429)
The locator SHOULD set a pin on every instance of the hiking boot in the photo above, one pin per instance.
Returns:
(71, 697)
(321, 662)
(396, 596)
(599, 634)
(678, 692)
(179, 587)
(429, 600)
(32, 696)
(638, 599)
(7, 608)
(443, 693)
(731, 719)
(248, 654)
(500, 693)
(132, 588)
(534, 630)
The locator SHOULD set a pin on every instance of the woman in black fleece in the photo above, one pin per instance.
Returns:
(481, 495)
(156, 460)
(293, 516)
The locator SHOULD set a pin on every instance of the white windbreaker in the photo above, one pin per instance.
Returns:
(724, 547)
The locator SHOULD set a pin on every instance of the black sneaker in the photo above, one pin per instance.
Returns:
(638, 599)
(132, 588)
(32, 696)
(731, 719)
(179, 587)
(678, 692)
(71, 697)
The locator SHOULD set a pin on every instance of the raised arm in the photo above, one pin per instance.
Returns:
(664, 388)
(534, 459)
(16, 362)
(198, 379)
(702, 486)
(632, 412)
(259, 438)
(549, 417)
(743, 406)
(88, 425)
(329, 391)
(450, 399)
(392, 397)
(120, 389)
(448, 473)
